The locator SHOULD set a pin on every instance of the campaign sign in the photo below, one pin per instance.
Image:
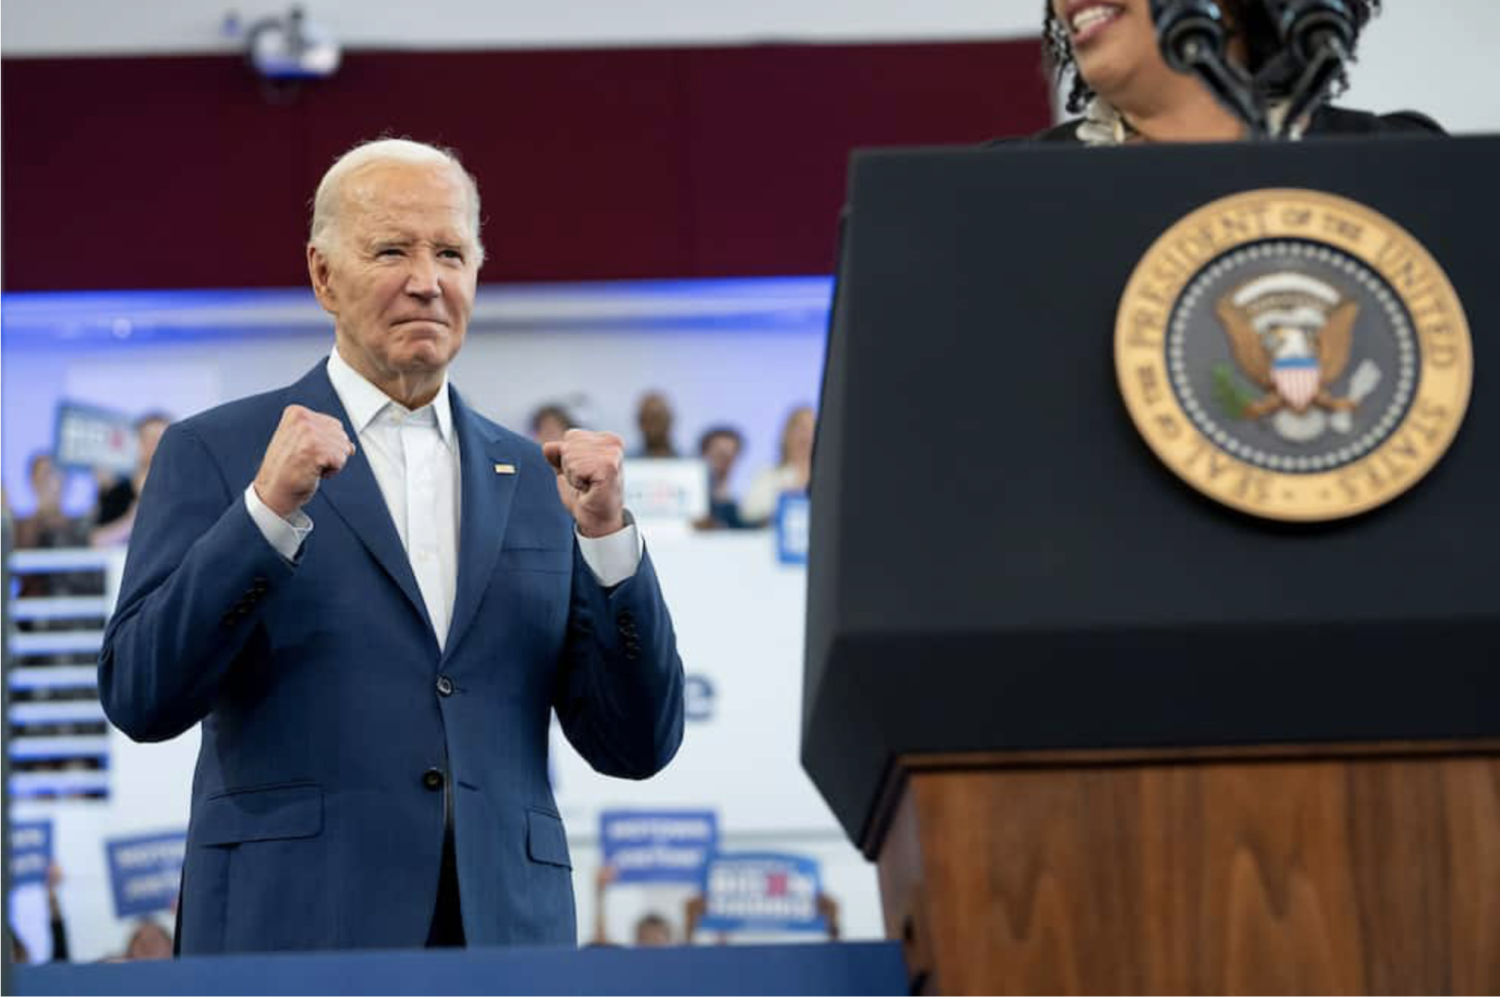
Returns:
(658, 846)
(667, 490)
(90, 437)
(30, 852)
(761, 892)
(144, 872)
(793, 520)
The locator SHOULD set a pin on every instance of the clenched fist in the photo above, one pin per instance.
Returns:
(306, 448)
(590, 479)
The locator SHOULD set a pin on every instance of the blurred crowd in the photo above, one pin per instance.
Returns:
(653, 928)
(111, 511)
(148, 938)
(720, 446)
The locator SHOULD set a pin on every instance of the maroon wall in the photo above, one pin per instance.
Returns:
(179, 172)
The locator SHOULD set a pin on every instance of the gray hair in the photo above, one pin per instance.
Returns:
(327, 201)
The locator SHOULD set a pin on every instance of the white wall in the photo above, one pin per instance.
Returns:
(1433, 56)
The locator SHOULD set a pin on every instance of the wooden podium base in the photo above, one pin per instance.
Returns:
(1329, 870)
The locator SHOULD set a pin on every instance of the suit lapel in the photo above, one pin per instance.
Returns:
(355, 495)
(484, 510)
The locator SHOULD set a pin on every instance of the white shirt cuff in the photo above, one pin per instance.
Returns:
(614, 557)
(286, 536)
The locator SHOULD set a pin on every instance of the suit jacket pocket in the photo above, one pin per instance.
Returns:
(546, 842)
(289, 811)
(537, 559)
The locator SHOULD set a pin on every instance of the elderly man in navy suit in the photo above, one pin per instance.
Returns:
(373, 597)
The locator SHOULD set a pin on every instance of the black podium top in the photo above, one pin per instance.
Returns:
(999, 562)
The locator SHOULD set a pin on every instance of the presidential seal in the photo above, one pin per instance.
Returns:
(1294, 355)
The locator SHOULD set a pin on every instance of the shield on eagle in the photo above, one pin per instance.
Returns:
(1297, 380)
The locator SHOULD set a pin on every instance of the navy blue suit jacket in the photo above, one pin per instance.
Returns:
(322, 690)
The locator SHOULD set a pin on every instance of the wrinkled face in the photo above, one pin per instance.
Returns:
(1114, 41)
(401, 269)
(720, 452)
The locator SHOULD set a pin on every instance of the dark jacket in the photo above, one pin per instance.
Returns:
(1327, 120)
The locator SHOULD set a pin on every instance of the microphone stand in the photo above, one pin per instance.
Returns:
(1192, 35)
(1318, 41)
(1230, 85)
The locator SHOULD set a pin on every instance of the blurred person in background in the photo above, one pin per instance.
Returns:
(117, 504)
(149, 940)
(720, 447)
(1126, 93)
(651, 929)
(373, 598)
(653, 416)
(56, 922)
(790, 475)
(550, 423)
(48, 526)
(19, 952)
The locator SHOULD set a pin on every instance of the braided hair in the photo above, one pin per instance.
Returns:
(1251, 19)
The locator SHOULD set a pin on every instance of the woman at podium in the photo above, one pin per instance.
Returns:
(1125, 92)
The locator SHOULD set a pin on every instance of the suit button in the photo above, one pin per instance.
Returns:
(445, 686)
(433, 779)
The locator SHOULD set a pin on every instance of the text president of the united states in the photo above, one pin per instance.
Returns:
(373, 598)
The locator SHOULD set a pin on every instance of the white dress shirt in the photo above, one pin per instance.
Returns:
(414, 456)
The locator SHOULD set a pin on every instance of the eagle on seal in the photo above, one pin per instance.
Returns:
(1292, 335)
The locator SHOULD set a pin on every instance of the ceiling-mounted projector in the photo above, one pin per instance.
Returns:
(290, 49)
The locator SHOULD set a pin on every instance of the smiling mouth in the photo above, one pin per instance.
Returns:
(1087, 21)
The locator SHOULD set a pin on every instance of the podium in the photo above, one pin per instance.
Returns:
(1100, 732)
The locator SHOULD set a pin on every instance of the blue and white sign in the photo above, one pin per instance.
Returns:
(658, 846)
(90, 437)
(30, 852)
(144, 872)
(793, 521)
(762, 892)
(667, 490)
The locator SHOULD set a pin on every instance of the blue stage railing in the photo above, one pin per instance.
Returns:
(813, 969)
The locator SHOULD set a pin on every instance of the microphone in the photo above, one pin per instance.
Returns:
(1315, 29)
(1189, 32)
(1319, 37)
(1194, 39)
